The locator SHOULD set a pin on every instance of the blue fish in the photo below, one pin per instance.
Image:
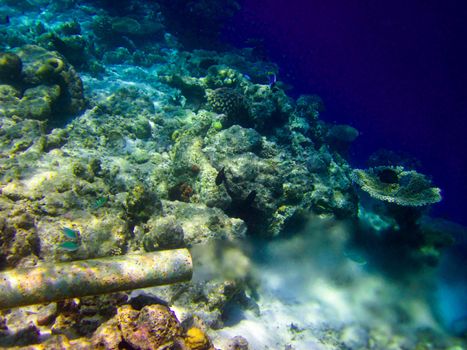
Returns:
(99, 203)
(69, 246)
(69, 233)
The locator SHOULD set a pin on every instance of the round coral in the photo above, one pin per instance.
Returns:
(153, 327)
(396, 185)
(51, 67)
(229, 102)
(196, 339)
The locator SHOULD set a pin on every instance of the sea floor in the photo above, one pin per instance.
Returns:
(311, 295)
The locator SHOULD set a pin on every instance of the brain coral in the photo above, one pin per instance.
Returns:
(396, 185)
(229, 102)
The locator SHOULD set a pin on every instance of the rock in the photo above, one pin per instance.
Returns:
(10, 67)
(20, 328)
(165, 233)
(108, 335)
(46, 314)
(342, 133)
(238, 343)
(233, 141)
(203, 224)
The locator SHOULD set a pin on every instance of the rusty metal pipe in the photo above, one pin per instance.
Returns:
(53, 282)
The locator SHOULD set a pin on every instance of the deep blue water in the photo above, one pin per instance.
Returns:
(397, 71)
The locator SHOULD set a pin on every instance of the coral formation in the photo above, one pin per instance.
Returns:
(196, 339)
(229, 102)
(397, 185)
(151, 327)
(47, 87)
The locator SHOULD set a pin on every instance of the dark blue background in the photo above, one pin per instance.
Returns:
(395, 70)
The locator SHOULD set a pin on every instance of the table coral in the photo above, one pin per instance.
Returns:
(397, 185)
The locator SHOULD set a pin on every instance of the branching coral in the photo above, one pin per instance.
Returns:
(396, 185)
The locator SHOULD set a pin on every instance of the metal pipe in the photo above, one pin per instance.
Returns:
(53, 282)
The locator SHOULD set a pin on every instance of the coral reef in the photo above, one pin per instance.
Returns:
(175, 148)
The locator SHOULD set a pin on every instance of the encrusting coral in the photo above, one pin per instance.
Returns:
(396, 185)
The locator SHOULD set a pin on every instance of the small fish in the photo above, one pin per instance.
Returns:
(4, 19)
(69, 233)
(272, 80)
(250, 198)
(246, 76)
(69, 246)
(99, 202)
(220, 178)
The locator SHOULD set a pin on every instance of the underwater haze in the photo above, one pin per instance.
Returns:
(233, 175)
